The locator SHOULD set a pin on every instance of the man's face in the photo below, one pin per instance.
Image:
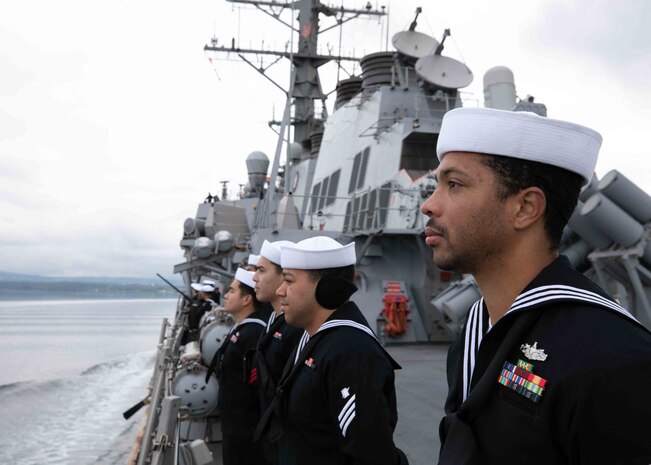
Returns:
(467, 225)
(234, 301)
(267, 280)
(297, 297)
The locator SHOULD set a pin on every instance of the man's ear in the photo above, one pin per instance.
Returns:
(248, 299)
(531, 204)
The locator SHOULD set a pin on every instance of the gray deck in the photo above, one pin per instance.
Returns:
(421, 387)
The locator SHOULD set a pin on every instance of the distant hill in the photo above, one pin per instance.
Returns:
(16, 286)
(154, 280)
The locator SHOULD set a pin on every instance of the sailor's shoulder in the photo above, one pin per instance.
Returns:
(594, 327)
(347, 343)
(570, 344)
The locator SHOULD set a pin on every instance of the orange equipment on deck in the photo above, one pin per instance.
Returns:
(395, 309)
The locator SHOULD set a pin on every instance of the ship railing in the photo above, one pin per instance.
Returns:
(438, 103)
(369, 209)
(160, 437)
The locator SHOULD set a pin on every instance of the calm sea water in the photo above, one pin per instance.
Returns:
(68, 369)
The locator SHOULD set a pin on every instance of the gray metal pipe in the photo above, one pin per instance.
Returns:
(612, 220)
(627, 195)
(577, 253)
(589, 189)
(585, 228)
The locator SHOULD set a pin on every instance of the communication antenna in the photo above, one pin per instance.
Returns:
(412, 26)
(414, 44)
(224, 189)
(444, 72)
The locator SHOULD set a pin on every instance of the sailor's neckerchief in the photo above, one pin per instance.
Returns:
(346, 315)
(558, 282)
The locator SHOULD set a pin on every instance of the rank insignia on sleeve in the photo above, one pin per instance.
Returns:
(278, 335)
(235, 337)
(522, 380)
(310, 363)
(345, 392)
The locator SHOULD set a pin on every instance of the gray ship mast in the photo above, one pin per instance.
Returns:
(305, 60)
(305, 84)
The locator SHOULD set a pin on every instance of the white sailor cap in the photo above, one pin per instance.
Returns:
(317, 253)
(207, 288)
(196, 286)
(245, 277)
(520, 134)
(271, 250)
(253, 259)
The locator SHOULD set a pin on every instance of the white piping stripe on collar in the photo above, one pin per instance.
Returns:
(304, 338)
(272, 317)
(252, 320)
(233, 328)
(352, 324)
(557, 292)
(472, 341)
(331, 324)
(474, 329)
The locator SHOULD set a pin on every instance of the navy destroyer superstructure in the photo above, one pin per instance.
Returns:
(359, 174)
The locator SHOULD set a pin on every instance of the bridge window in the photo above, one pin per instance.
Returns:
(315, 197)
(332, 188)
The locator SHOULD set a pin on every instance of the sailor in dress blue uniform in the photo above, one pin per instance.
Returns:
(238, 403)
(336, 401)
(279, 339)
(548, 368)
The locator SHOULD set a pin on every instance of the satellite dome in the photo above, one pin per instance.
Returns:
(294, 151)
(498, 75)
(225, 240)
(203, 247)
(256, 165)
(499, 88)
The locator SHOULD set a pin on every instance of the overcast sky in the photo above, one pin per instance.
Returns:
(114, 124)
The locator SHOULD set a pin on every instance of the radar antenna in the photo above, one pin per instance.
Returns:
(305, 58)
(224, 189)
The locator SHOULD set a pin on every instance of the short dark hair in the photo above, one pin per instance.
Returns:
(560, 186)
(345, 272)
(244, 290)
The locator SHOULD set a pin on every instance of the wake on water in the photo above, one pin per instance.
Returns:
(77, 420)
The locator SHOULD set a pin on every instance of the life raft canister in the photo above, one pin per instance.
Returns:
(396, 308)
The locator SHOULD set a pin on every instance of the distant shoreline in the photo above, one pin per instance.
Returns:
(89, 297)
(21, 290)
